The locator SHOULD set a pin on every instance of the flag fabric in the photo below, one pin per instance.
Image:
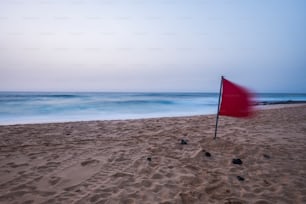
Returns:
(235, 100)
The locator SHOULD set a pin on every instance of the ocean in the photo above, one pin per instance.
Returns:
(42, 107)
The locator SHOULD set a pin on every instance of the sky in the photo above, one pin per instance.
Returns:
(159, 46)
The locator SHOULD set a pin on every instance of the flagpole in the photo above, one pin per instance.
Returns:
(217, 119)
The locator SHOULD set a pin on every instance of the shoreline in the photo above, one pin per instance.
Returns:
(258, 106)
(144, 160)
(287, 102)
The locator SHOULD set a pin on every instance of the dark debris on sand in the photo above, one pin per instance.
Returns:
(237, 161)
(183, 142)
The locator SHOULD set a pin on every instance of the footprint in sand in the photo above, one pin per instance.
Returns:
(211, 188)
(89, 162)
(234, 201)
(261, 202)
(28, 202)
(54, 180)
(69, 177)
(78, 173)
(14, 165)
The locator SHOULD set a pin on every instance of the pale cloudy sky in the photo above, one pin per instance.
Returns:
(144, 45)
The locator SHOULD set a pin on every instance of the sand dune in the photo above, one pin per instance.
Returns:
(143, 161)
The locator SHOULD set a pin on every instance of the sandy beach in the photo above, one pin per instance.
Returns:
(143, 161)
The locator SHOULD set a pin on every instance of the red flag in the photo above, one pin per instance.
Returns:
(236, 100)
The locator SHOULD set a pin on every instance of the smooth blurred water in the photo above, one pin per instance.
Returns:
(37, 107)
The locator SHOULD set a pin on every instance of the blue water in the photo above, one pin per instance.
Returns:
(38, 107)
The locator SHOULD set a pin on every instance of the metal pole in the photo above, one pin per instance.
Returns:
(217, 119)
